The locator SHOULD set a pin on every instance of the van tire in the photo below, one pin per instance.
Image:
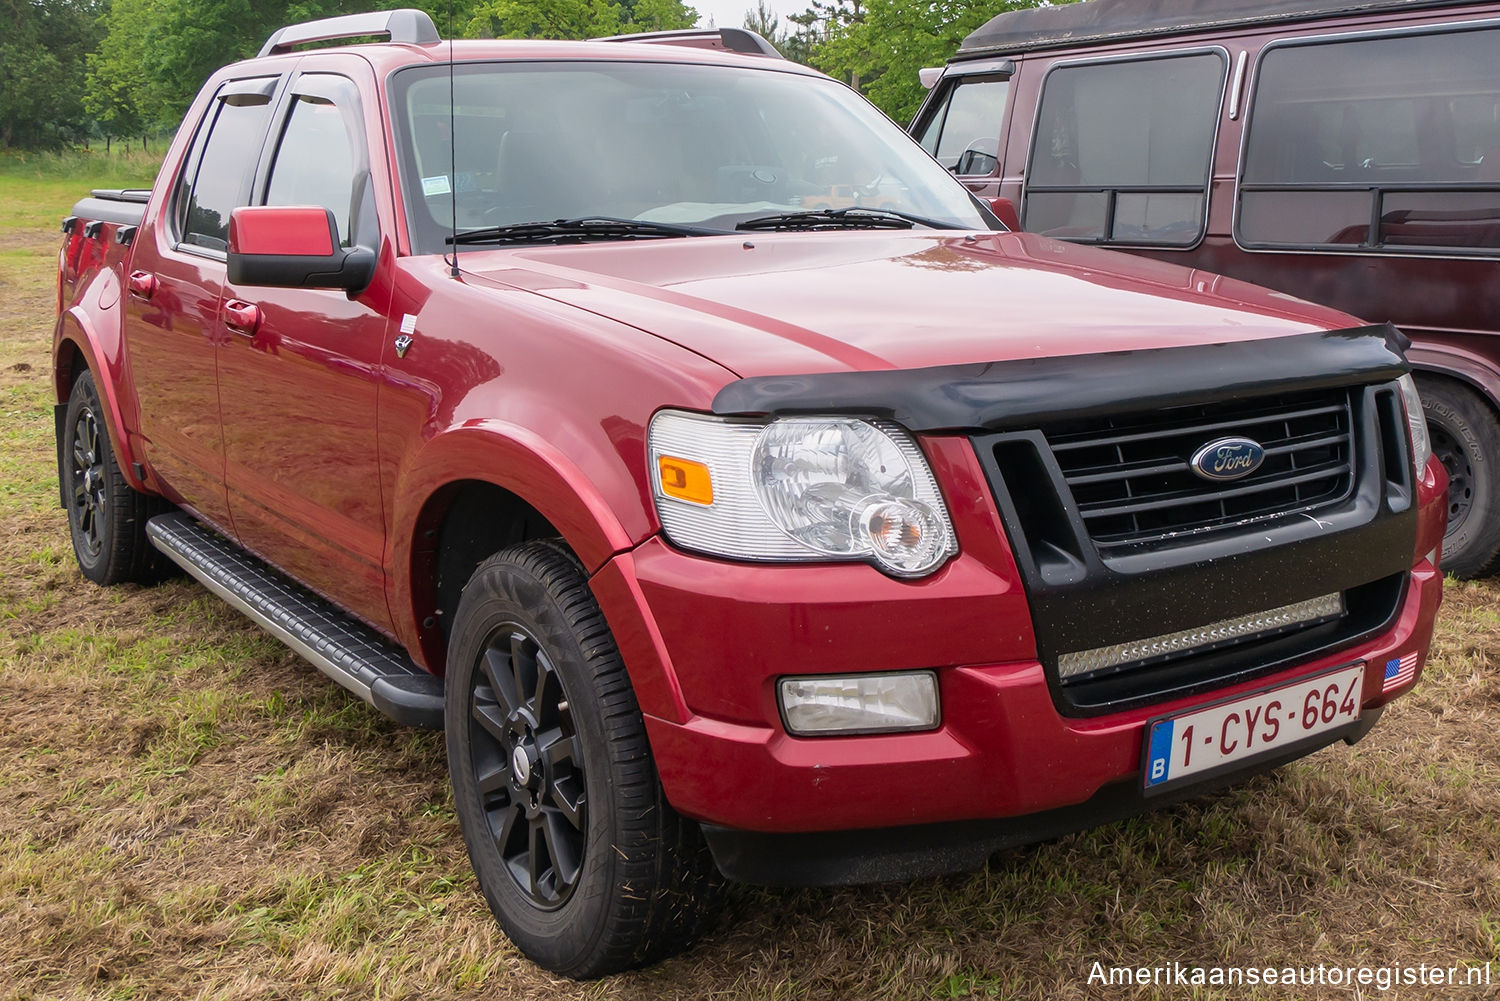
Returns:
(1466, 440)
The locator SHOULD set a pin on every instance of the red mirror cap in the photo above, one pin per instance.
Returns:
(1004, 209)
(282, 231)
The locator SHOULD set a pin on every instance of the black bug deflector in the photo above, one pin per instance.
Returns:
(1342, 522)
(1003, 395)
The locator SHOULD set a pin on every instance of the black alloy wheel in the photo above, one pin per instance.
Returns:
(89, 499)
(528, 766)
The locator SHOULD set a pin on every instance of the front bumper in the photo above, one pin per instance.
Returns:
(705, 641)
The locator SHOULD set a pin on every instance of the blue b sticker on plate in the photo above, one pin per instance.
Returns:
(1159, 757)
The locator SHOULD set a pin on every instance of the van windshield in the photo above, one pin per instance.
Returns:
(692, 146)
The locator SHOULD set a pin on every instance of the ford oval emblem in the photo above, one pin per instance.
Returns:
(1228, 459)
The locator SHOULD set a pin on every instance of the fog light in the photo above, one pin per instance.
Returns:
(851, 704)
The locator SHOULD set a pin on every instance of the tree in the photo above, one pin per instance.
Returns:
(575, 18)
(42, 43)
(881, 50)
(766, 23)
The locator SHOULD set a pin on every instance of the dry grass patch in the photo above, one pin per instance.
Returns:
(189, 811)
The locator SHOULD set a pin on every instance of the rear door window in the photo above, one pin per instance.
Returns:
(968, 122)
(1386, 144)
(1123, 150)
(221, 175)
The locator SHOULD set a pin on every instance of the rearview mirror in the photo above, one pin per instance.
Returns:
(294, 246)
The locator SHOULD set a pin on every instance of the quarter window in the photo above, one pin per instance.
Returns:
(1376, 144)
(968, 121)
(1123, 150)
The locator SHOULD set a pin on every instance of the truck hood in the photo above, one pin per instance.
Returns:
(864, 301)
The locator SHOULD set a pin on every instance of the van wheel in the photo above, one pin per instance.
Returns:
(106, 516)
(1466, 440)
(580, 857)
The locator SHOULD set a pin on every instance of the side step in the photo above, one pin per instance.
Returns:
(348, 651)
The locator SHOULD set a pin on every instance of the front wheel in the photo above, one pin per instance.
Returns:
(580, 857)
(1466, 440)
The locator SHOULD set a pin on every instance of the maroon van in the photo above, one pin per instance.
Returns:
(1343, 151)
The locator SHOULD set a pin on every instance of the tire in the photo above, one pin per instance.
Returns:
(1466, 440)
(580, 857)
(106, 516)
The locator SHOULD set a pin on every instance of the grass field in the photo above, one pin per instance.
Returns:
(187, 810)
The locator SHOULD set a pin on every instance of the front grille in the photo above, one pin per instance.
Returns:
(1134, 486)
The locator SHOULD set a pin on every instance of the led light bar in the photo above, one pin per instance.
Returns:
(1202, 638)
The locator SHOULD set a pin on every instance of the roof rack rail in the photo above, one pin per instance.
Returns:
(404, 25)
(728, 39)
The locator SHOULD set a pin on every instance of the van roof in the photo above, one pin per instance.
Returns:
(1115, 20)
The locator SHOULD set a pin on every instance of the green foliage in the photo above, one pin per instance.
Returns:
(545, 19)
(42, 45)
(879, 45)
(565, 19)
(155, 54)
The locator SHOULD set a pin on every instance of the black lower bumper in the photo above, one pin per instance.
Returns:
(840, 858)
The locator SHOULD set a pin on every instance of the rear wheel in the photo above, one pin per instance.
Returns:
(1466, 440)
(106, 516)
(580, 857)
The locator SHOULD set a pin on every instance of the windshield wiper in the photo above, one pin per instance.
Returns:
(582, 228)
(853, 217)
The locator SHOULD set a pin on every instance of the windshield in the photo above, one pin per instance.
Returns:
(698, 146)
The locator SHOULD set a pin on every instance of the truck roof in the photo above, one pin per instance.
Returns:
(413, 36)
(1094, 21)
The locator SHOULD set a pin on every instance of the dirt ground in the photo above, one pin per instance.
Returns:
(187, 810)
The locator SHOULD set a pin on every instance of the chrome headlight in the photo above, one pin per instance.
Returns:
(799, 489)
(1421, 441)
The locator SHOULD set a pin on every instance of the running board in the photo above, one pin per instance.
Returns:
(349, 652)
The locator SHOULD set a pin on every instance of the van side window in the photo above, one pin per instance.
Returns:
(317, 160)
(1123, 150)
(969, 120)
(1376, 144)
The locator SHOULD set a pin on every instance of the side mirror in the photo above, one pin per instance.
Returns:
(294, 246)
(1005, 211)
(980, 158)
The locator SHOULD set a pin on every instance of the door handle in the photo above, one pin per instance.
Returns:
(143, 284)
(241, 317)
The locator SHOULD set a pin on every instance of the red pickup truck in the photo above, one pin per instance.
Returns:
(528, 391)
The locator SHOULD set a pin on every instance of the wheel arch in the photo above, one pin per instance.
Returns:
(476, 489)
(1461, 366)
(79, 345)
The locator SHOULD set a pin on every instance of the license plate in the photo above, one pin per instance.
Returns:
(1240, 730)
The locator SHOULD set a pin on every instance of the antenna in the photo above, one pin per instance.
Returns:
(452, 149)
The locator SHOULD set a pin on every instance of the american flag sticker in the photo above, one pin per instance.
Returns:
(1400, 671)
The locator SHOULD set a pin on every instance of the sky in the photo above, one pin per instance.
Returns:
(731, 13)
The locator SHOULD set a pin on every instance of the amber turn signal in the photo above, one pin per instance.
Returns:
(685, 479)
